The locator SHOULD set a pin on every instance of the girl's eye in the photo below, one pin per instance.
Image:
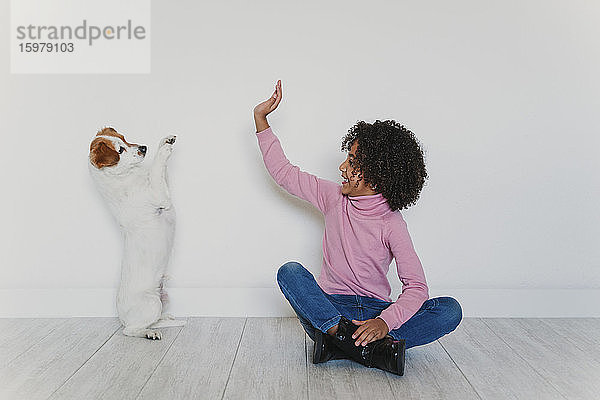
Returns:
(121, 149)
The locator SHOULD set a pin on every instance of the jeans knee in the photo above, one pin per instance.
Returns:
(453, 313)
(287, 271)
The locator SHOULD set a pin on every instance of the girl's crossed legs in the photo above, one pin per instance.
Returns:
(319, 310)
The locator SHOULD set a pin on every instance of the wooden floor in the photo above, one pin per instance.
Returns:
(270, 358)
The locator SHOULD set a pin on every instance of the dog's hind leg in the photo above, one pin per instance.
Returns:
(140, 317)
(150, 333)
(164, 296)
(166, 323)
(167, 319)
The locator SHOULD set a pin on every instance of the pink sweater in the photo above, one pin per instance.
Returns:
(362, 234)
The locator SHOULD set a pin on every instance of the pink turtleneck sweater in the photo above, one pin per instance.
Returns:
(362, 235)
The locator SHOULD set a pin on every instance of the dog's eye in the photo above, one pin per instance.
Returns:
(121, 149)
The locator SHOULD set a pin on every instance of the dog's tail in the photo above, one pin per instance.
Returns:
(166, 323)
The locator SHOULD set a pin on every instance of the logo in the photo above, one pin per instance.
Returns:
(80, 36)
(82, 32)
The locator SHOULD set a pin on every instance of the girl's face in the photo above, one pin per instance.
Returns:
(352, 183)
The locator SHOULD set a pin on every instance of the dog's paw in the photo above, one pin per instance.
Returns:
(153, 335)
(165, 147)
(169, 140)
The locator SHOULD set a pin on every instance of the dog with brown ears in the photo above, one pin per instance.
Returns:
(138, 196)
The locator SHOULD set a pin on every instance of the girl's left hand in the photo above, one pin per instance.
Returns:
(269, 105)
(369, 331)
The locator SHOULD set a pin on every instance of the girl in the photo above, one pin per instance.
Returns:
(349, 313)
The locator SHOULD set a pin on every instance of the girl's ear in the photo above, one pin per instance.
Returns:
(102, 153)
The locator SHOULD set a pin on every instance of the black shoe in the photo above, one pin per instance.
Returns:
(325, 350)
(386, 354)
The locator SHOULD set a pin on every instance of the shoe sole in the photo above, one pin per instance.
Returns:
(318, 347)
(401, 351)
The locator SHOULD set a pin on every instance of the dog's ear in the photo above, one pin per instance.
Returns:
(108, 131)
(102, 153)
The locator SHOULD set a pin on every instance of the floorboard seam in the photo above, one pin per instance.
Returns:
(461, 371)
(81, 366)
(40, 339)
(234, 357)
(159, 361)
(525, 361)
(387, 376)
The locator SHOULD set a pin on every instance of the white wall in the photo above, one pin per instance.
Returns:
(503, 95)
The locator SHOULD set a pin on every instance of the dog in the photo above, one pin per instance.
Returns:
(138, 197)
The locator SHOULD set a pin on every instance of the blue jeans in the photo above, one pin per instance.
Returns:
(319, 310)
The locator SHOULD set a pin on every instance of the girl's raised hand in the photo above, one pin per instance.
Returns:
(267, 106)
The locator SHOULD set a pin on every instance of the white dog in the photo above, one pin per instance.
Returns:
(138, 196)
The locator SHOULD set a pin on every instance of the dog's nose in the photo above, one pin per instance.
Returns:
(142, 149)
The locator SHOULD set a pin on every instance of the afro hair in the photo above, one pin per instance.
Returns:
(389, 158)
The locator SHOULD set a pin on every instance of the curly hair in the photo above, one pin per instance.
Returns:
(390, 158)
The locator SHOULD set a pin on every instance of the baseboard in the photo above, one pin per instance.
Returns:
(269, 302)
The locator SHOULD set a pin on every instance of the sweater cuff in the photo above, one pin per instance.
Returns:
(266, 130)
(389, 320)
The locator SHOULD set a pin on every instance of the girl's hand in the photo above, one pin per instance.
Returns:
(266, 107)
(369, 331)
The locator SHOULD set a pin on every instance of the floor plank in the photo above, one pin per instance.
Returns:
(19, 334)
(199, 361)
(40, 370)
(119, 369)
(270, 362)
(494, 369)
(430, 374)
(583, 333)
(345, 379)
(573, 372)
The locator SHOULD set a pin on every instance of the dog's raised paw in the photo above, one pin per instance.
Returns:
(169, 139)
(154, 335)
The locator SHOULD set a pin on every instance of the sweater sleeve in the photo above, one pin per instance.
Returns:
(319, 192)
(410, 271)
